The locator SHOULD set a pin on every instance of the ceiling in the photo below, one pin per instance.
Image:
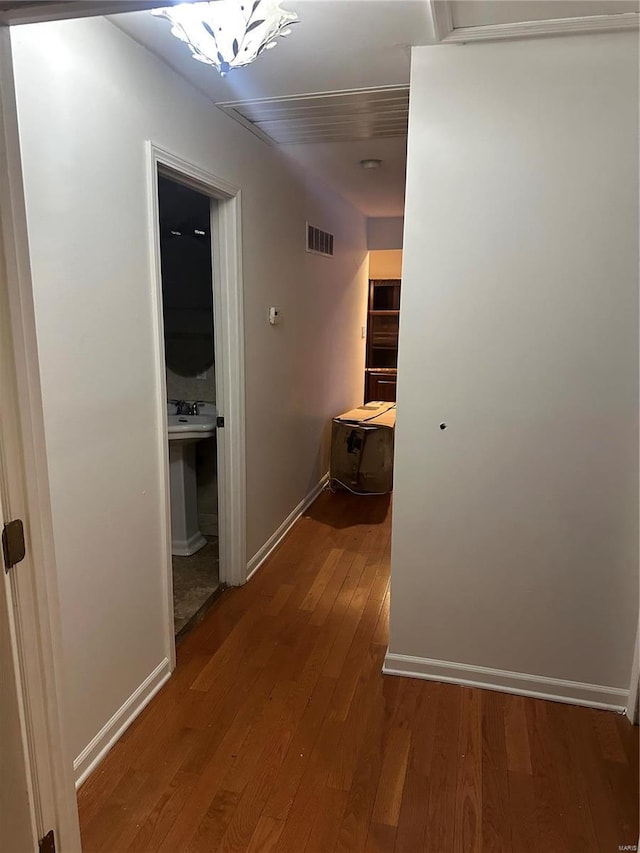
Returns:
(338, 46)
(327, 116)
(306, 94)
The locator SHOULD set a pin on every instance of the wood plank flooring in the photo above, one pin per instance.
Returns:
(278, 733)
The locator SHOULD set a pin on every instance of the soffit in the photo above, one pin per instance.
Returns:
(488, 20)
(482, 13)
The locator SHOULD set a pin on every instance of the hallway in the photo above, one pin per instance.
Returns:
(278, 732)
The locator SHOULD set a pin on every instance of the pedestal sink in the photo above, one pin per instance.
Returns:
(185, 431)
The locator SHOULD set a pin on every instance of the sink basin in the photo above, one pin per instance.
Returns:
(184, 427)
(184, 432)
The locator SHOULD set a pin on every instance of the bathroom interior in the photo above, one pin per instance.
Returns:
(187, 300)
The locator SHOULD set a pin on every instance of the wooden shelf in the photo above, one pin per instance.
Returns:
(382, 340)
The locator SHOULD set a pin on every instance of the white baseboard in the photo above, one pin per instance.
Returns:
(273, 541)
(188, 547)
(523, 684)
(96, 750)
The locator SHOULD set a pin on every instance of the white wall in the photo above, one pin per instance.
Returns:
(385, 232)
(515, 533)
(88, 98)
(386, 263)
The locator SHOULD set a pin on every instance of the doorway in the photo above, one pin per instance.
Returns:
(383, 324)
(214, 362)
(188, 325)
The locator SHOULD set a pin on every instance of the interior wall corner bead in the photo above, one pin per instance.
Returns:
(441, 18)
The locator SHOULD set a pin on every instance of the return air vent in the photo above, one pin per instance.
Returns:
(325, 116)
(319, 242)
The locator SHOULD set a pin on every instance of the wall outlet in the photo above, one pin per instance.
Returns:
(363, 331)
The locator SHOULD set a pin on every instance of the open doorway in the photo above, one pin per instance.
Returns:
(219, 204)
(188, 325)
(383, 324)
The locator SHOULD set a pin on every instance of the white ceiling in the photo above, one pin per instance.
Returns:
(340, 46)
(337, 44)
(377, 192)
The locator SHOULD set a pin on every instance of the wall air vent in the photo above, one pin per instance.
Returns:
(319, 242)
(343, 116)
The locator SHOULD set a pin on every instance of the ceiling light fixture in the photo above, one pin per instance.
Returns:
(228, 33)
(371, 163)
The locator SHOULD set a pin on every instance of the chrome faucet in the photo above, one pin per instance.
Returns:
(185, 408)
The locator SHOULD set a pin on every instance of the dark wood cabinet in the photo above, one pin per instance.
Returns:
(381, 385)
(382, 340)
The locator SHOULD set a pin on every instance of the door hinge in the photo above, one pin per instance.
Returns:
(48, 843)
(13, 543)
(219, 422)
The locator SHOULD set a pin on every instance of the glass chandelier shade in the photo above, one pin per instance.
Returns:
(228, 33)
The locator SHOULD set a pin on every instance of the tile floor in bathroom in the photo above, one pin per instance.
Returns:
(195, 579)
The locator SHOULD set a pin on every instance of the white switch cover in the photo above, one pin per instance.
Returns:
(274, 316)
(363, 331)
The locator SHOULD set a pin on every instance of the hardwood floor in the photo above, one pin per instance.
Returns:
(278, 733)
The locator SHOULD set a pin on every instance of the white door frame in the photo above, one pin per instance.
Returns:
(17, 808)
(32, 584)
(228, 321)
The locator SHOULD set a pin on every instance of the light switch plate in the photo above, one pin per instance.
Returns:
(274, 316)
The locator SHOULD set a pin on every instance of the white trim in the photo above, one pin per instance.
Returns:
(446, 33)
(230, 386)
(273, 541)
(232, 112)
(96, 750)
(520, 683)
(441, 18)
(226, 231)
(161, 403)
(558, 27)
(188, 547)
(14, 671)
(34, 584)
(634, 685)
